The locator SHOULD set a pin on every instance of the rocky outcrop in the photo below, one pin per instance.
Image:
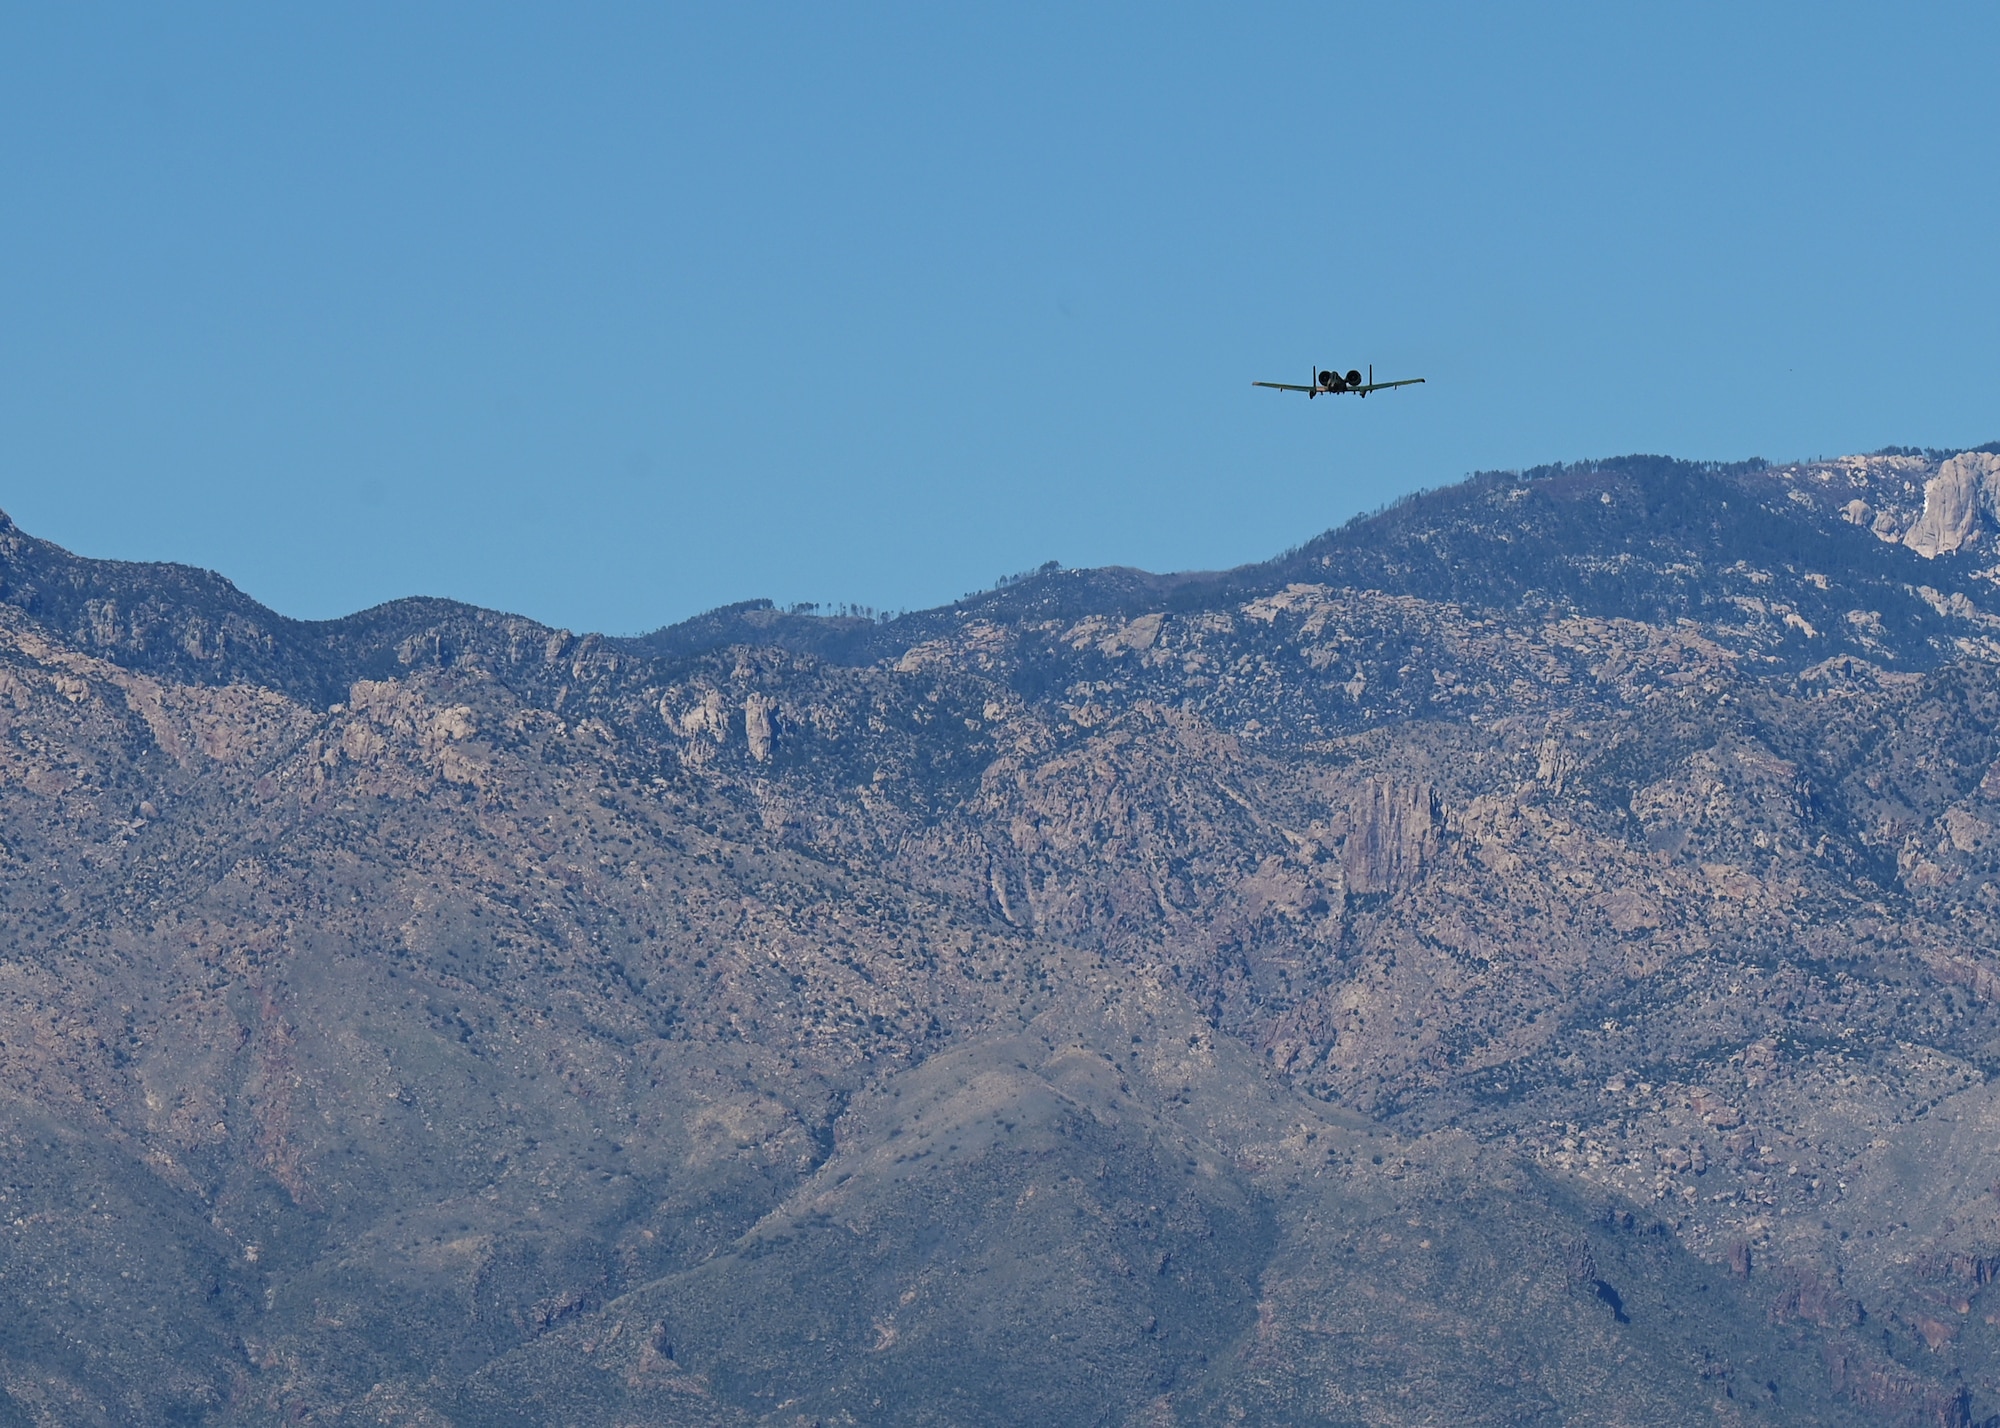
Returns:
(757, 728)
(1391, 832)
(1966, 486)
(1951, 512)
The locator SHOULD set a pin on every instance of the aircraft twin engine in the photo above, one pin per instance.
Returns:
(1330, 382)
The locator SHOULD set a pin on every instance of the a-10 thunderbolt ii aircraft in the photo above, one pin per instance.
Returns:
(1331, 384)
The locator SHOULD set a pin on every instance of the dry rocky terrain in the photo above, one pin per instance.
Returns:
(1530, 956)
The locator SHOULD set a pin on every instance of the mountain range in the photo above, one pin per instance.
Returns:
(1530, 955)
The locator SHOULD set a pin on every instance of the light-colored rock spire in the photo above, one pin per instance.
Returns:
(1953, 499)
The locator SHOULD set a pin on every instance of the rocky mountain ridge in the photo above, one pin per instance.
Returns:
(1525, 956)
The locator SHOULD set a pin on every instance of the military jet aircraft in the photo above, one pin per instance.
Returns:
(1329, 384)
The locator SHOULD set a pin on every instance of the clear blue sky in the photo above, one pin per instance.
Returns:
(608, 313)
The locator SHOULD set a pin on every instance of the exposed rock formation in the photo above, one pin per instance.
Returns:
(1965, 486)
(1391, 831)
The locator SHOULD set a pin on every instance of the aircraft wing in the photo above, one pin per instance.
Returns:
(1286, 386)
(1382, 386)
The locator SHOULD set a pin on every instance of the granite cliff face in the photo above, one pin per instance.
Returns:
(1528, 956)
